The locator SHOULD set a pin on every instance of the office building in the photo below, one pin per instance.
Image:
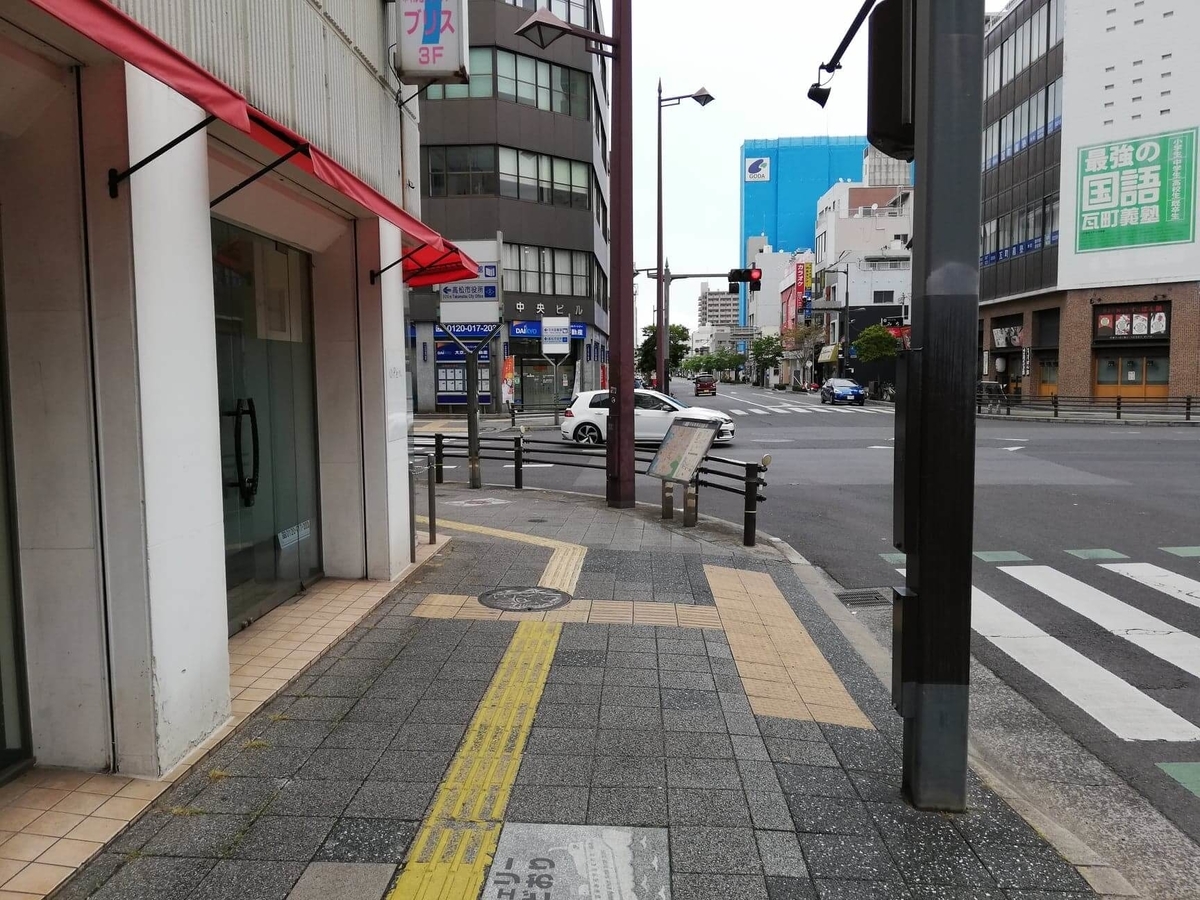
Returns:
(782, 179)
(1090, 273)
(521, 154)
(717, 307)
(203, 386)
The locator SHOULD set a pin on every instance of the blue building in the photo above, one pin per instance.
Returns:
(782, 180)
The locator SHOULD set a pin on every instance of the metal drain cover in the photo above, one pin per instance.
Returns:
(866, 597)
(524, 599)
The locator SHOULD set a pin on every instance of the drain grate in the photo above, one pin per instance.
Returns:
(524, 599)
(860, 598)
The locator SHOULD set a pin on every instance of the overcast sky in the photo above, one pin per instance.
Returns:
(758, 60)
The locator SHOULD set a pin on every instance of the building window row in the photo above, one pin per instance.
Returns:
(522, 79)
(1020, 231)
(577, 12)
(1029, 43)
(1037, 117)
(486, 170)
(547, 270)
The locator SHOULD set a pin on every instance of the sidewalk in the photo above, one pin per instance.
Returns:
(691, 725)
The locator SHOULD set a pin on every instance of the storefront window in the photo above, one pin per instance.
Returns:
(1131, 370)
(1158, 370)
(1107, 371)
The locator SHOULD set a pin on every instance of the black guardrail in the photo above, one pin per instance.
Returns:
(1055, 406)
(715, 473)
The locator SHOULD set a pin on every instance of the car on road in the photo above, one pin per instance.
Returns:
(843, 390)
(586, 419)
(706, 384)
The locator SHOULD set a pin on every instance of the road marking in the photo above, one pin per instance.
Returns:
(739, 412)
(782, 409)
(1098, 553)
(1186, 773)
(1154, 635)
(1011, 449)
(894, 559)
(1113, 702)
(457, 840)
(1185, 552)
(880, 447)
(1001, 556)
(1162, 580)
(530, 465)
(798, 409)
(761, 412)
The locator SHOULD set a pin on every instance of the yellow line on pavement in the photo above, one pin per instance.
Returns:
(452, 851)
(562, 573)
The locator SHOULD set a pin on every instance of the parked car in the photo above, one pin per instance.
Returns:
(843, 390)
(706, 384)
(586, 420)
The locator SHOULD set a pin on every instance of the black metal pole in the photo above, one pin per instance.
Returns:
(475, 478)
(937, 499)
(429, 476)
(518, 462)
(750, 507)
(439, 451)
(660, 276)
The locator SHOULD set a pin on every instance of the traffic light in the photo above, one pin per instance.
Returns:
(743, 276)
(890, 73)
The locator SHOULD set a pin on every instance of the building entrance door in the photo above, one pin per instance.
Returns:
(268, 420)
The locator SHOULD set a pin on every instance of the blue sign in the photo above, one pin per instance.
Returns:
(533, 329)
(463, 332)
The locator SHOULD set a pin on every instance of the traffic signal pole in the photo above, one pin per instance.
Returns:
(935, 425)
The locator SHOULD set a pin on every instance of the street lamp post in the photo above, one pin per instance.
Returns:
(543, 28)
(663, 320)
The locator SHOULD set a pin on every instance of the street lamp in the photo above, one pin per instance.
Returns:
(704, 98)
(543, 28)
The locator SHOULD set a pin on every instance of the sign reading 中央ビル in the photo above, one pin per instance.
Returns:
(758, 168)
(1137, 193)
(432, 42)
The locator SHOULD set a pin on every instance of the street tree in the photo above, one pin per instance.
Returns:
(875, 343)
(678, 342)
(766, 352)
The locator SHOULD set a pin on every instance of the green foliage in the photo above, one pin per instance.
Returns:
(875, 343)
(647, 358)
(766, 351)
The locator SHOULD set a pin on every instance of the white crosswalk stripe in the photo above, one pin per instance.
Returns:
(814, 408)
(739, 412)
(1127, 711)
(761, 412)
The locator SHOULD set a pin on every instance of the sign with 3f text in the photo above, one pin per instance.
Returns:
(1137, 193)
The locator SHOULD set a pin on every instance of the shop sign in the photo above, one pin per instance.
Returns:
(758, 169)
(1025, 355)
(533, 330)
(1137, 193)
(463, 332)
(1136, 321)
(432, 42)
(1013, 336)
(448, 351)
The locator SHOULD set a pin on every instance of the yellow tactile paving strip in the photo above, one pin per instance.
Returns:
(594, 612)
(565, 563)
(458, 838)
(784, 672)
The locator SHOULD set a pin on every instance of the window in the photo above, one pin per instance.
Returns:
(527, 82)
(1054, 107)
(533, 82)
(461, 171)
(1005, 235)
(1033, 225)
(506, 75)
(1008, 57)
(1055, 21)
(550, 271)
(883, 297)
(481, 72)
(1051, 219)
(1037, 117)
(435, 161)
(562, 181)
(1037, 47)
(1022, 51)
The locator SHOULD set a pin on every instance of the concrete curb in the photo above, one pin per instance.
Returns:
(1063, 420)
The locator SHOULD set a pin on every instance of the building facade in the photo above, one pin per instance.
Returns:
(1090, 273)
(782, 179)
(717, 307)
(204, 400)
(520, 156)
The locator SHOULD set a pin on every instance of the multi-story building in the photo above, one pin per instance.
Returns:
(520, 155)
(863, 267)
(717, 307)
(782, 180)
(203, 390)
(1090, 274)
(762, 307)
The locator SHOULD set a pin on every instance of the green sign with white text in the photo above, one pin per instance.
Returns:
(1137, 193)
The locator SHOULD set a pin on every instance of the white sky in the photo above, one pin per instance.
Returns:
(757, 60)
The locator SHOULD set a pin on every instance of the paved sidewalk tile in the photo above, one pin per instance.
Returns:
(690, 688)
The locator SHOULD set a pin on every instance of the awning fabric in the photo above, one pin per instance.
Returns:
(829, 353)
(430, 259)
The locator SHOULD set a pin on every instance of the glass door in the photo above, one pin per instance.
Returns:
(268, 425)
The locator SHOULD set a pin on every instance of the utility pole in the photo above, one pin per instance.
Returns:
(472, 360)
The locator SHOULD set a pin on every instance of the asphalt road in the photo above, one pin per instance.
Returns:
(1087, 570)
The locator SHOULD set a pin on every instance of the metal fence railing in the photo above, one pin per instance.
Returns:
(1104, 407)
(717, 473)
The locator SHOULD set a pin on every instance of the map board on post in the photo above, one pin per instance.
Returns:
(683, 449)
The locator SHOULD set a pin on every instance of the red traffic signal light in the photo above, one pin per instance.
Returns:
(754, 274)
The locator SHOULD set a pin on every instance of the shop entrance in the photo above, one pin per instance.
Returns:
(267, 396)
(1135, 375)
(539, 390)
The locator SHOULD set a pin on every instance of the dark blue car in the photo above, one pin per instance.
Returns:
(843, 390)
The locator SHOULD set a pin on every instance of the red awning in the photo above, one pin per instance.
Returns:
(426, 253)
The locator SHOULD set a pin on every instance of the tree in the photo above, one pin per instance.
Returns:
(647, 359)
(875, 343)
(801, 337)
(698, 363)
(766, 351)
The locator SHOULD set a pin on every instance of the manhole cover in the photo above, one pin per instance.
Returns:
(866, 597)
(524, 599)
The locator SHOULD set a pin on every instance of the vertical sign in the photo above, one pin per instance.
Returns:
(556, 336)
(1137, 193)
(432, 44)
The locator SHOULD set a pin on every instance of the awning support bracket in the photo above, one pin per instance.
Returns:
(115, 178)
(376, 275)
(246, 182)
(433, 265)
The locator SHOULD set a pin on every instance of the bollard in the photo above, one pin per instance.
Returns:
(691, 504)
(1118, 406)
(439, 450)
(432, 499)
(1187, 409)
(750, 506)
(668, 500)
(518, 462)
(412, 514)
(1054, 403)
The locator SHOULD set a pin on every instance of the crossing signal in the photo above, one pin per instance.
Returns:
(753, 277)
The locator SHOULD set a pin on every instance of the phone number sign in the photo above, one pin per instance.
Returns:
(1137, 193)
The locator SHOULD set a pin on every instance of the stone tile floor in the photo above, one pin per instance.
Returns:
(321, 791)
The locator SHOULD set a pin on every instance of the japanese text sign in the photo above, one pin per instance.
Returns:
(1137, 193)
(432, 43)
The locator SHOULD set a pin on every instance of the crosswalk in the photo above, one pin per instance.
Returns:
(1107, 637)
(807, 410)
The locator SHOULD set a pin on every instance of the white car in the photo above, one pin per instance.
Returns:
(586, 419)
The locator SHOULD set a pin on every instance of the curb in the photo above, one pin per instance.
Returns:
(1152, 423)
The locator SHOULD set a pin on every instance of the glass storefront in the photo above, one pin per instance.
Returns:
(267, 395)
(1135, 374)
